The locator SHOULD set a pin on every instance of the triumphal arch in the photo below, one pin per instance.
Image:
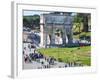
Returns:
(55, 29)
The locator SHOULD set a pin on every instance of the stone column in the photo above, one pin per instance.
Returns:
(45, 35)
(70, 35)
(52, 35)
(64, 35)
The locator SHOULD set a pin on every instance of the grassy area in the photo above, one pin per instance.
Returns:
(76, 54)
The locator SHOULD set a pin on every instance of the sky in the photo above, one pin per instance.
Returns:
(27, 12)
(32, 12)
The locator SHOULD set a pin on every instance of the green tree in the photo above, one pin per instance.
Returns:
(31, 21)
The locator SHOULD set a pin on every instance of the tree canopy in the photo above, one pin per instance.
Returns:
(31, 21)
